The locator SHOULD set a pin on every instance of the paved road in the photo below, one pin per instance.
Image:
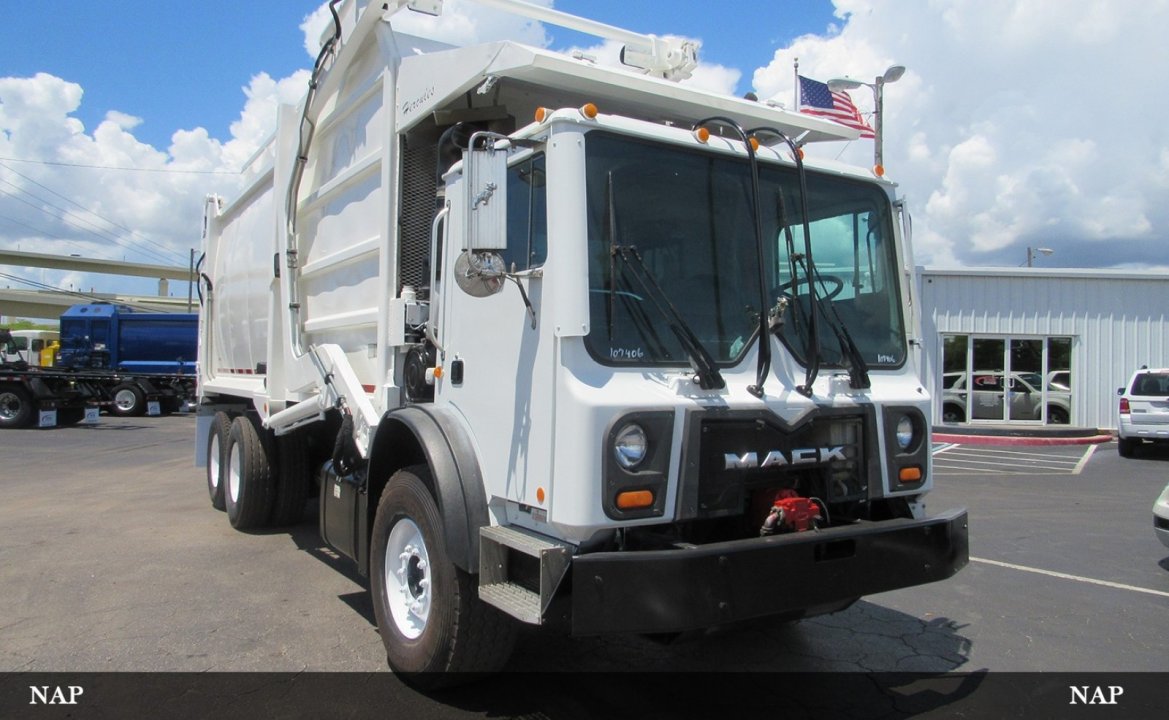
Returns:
(111, 558)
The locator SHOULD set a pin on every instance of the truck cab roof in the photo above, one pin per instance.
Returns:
(464, 82)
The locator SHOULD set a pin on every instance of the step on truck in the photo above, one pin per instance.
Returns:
(565, 345)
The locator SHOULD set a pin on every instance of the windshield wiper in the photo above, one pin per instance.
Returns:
(795, 263)
(763, 369)
(706, 372)
(858, 369)
(809, 264)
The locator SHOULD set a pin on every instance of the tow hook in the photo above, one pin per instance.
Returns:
(791, 513)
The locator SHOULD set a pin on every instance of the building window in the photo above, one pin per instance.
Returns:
(1006, 379)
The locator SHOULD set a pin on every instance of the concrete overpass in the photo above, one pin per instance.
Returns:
(49, 304)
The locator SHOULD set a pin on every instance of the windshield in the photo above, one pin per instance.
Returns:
(688, 213)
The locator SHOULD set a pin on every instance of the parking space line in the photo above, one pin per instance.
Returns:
(958, 459)
(1065, 576)
(1084, 460)
(953, 460)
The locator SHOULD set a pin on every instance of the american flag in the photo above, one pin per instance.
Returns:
(816, 99)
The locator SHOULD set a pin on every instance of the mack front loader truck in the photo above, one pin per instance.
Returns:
(565, 344)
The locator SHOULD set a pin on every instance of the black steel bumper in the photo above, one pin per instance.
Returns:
(675, 590)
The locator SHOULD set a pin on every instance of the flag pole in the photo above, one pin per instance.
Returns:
(796, 89)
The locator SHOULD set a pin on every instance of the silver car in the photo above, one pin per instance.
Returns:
(1144, 410)
(1022, 393)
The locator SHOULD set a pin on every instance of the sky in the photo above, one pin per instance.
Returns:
(1018, 123)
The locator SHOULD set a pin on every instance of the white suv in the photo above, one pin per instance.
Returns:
(1144, 410)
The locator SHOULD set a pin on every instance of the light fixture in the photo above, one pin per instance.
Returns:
(1031, 252)
(892, 74)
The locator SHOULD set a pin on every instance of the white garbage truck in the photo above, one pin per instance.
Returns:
(565, 344)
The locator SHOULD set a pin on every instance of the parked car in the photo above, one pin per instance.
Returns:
(1161, 517)
(1026, 398)
(1144, 410)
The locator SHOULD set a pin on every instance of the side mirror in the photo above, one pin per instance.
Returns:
(485, 171)
(1119, 391)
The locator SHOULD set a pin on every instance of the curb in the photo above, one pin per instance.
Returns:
(1015, 440)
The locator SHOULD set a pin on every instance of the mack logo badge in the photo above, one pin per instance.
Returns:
(775, 458)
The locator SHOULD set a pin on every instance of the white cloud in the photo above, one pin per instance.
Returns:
(1018, 122)
(99, 209)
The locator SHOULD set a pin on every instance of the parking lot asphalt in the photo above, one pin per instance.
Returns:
(112, 559)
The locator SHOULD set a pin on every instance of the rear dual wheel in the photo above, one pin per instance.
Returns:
(248, 483)
(217, 441)
(129, 400)
(262, 494)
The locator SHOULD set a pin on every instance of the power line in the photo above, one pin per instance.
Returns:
(91, 212)
(41, 231)
(95, 231)
(125, 169)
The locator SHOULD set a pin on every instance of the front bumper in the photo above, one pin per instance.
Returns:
(663, 591)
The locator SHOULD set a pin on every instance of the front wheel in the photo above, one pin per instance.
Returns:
(952, 413)
(428, 611)
(16, 410)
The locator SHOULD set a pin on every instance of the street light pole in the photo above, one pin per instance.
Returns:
(892, 74)
(1031, 253)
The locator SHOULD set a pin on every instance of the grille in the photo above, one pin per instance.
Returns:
(418, 207)
(737, 455)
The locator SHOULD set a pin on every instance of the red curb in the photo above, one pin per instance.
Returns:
(1009, 440)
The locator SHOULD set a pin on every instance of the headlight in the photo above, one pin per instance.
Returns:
(904, 432)
(630, 446)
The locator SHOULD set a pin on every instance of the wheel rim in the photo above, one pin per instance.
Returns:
(407, 575)
(234, 473)
(9, 406)
(125, 399)
(213, 463)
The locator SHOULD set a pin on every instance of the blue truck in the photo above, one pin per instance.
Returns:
(111, 357)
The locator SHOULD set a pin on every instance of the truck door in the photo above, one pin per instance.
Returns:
(498, 352)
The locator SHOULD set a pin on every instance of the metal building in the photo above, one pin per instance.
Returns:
(1037, 346)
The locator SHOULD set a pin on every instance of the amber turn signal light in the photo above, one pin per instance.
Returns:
(635, 499)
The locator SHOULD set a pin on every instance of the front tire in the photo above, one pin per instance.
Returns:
(952, 414)
(248, 484)
(16, 410)
(428, 611)
(217, 442)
